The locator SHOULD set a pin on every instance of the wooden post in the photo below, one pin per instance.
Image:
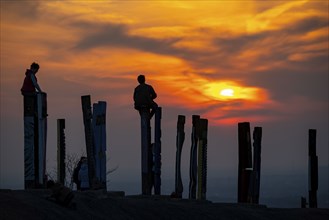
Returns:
(61, 151)
(245, 161)
(87, 117)
(146, 151)
(35, 140)
(41, 130)
(313, 169)
(29, 140)
(202, 131)
(193, 158)
(255, 175)
(157, 151)
(179, 146)
(99, 136)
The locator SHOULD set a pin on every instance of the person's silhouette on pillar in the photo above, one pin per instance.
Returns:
(144, 96)
(30, 84)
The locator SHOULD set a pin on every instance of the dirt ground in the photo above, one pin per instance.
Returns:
(37, 204)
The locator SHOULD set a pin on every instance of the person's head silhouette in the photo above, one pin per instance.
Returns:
(141, 79)
(35, 67)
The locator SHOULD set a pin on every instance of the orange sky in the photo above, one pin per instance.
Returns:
(269, 57)
(189, 50)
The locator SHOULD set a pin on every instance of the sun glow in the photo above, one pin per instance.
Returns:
(229, 90)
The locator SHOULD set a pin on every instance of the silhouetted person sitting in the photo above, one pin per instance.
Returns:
(144, 96)
(30, 84)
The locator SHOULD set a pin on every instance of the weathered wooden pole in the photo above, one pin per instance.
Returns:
(202, 131)
(35, 140)
(157, 151)
(193, 158)
(61, 151)
(255, 175)
(42, 138)
(179, 146)
(99, 136)
(245, 161)
(87, 119)
(146, 151)
(313, 169)
(29, 140)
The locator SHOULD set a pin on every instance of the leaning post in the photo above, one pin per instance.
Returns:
(87, 119)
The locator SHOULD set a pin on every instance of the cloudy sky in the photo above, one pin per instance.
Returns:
(265, 62)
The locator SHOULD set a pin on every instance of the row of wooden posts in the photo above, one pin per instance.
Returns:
(35, 127)
(249, 160)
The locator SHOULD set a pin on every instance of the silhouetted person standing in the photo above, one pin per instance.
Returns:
(35, 123)
(144, 96)
(30, 84)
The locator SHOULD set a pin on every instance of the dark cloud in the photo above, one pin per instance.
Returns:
(307, 25)
(285, 83)
(115, 35)
(20, 9)
(233, 45)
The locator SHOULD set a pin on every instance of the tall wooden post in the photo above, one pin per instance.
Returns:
(313, 169)
(146, 151)
(202, 131)
(179, 146)
(99, 134)
(157, 151)
(35, 139)
(87, 117)
(254, 187)
(245, 161)
(42, 137)
(193, 158)
(29, 140)
(61, 151)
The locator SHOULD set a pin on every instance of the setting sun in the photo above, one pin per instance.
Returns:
(227, 92)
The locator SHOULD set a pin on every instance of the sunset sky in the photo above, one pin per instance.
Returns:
(265, 62)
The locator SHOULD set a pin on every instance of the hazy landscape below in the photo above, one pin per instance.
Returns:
(277, 191)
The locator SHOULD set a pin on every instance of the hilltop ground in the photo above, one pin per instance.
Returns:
(36, 204)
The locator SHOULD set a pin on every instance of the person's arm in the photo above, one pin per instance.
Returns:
(134, 95)
(34, 81)
(153, 94)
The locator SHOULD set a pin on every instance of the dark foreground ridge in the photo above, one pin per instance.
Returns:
(36, 204)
